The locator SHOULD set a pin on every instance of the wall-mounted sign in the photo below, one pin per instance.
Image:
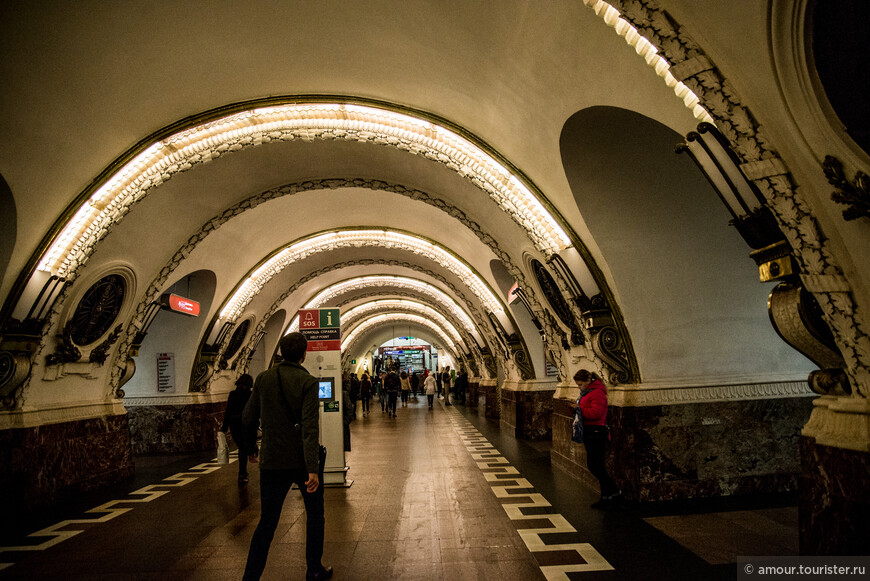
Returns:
(322, 328)
(180, 304)
(166, 372)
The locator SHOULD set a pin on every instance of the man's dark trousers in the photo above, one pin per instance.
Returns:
(274, 485)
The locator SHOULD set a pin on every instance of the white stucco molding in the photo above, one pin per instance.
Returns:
(654, 395)
(546, 384)
(186, 398)
(841, 422)
(32, 417)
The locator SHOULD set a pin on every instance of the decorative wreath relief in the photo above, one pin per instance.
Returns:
(854, 194)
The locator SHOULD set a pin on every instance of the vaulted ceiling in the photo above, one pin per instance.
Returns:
(255, 157)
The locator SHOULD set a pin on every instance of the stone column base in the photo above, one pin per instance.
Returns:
(527, 408)
(834, 506)
(472, 396)
(489, 390)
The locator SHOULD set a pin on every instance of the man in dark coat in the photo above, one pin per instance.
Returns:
(285, 402)
(245, 438)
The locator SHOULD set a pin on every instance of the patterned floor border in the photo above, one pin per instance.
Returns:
(57, 533)
(530, 512)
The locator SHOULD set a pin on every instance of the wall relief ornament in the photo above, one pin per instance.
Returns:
(66, 351)
(761, 164)
(854, 194)
(557, 301)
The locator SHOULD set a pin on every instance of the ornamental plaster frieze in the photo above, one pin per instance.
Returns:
(548, 384)
(644, 396)
(186, 398)
(752, 145)
(32, 418)
(841, 422)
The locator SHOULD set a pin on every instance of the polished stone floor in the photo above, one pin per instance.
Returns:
(435, 494)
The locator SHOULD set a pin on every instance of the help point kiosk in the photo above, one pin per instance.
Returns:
(322, 328)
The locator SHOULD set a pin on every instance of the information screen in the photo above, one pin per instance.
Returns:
(325, 388)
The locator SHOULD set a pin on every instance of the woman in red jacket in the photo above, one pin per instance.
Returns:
(596, 435)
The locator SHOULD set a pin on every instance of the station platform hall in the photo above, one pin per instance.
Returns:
(666, 196)
(433, 494)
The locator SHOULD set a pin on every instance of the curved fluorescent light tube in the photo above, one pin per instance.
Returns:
(648, 51)
(356, 238)
(306, 121)
(324, 297)
(373, 307)
(393, 318)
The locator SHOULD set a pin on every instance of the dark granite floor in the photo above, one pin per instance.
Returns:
(434, 496)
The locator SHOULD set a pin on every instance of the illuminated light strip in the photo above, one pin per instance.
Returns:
(498, 474)
(356, 238)
(381, 320)
(308, 122)
(327, 295)
(373, 307)
(648, 51)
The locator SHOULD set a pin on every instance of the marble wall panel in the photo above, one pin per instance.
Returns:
(171, 429)
(833, 502)
(473, 395)
(528, 413)
(493, 407)
(46, 464)
(694, 450)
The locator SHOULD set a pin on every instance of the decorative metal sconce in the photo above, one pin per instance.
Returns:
(794, 312)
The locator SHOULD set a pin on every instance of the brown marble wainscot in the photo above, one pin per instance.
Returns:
(42, 465)
(527, 413)
(169, 429)
(472, 396)
(693, 450)
(834, 508)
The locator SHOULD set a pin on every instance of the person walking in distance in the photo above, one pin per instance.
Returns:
(365, 392)
(246, 439)
(430, 387)
(392, 384)
(284, 402)
(596, 435)
(445, 383)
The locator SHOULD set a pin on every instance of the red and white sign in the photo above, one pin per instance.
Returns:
(180, 304)
(309, 318)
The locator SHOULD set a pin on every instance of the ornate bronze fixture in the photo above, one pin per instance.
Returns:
(855, 194)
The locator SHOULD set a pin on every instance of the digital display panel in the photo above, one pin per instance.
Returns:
(325, 387)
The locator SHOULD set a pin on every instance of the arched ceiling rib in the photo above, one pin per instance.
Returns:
(353, 239)
(377, 321)
(183, 150)
(388, 306)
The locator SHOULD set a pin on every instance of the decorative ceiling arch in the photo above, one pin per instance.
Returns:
(377, 321)
(369, 237)
(403, 283)
(217, 133)
(351, 317)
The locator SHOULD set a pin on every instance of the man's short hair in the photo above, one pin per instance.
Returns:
(293, 346)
